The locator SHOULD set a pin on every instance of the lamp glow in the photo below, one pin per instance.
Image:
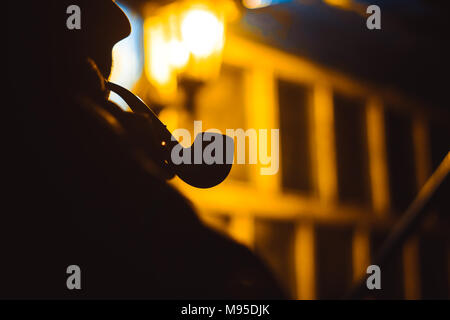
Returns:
(179, 55)
(202, 32)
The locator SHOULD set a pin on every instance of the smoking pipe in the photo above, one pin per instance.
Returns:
(196, 173)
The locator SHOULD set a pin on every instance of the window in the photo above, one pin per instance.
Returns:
(440, 146)
(351, 150)
(400, 156)
(334, 261)
(274, 242)
(440, 141)
(294, 136)
(433, 268)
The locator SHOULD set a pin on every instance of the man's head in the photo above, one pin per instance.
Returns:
(50, 56)
(103, 24)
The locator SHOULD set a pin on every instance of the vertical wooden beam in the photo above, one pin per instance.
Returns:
(262, 113)
(361, 252)
(411, 269)
(325, 153)
(422, 161)
(305, 261)
(422, 153)
(377, 157)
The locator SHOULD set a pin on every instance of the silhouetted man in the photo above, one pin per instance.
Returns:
(78, 191)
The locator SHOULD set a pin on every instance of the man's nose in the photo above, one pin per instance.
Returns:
(121, 22)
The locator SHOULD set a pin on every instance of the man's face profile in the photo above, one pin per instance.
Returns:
(103, 24)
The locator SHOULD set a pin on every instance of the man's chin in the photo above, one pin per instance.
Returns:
(104, 65)
(106, 71)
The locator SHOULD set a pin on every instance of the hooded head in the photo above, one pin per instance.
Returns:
(46, 51)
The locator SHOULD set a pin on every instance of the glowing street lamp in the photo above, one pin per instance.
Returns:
(185, 39)
(202, 32)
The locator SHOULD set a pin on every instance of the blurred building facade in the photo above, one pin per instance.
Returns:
(352, 157)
